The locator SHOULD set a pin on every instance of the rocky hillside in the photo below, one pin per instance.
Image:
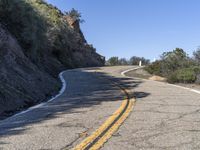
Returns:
(37, 41)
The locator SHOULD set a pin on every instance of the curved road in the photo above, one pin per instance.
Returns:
(164, 116)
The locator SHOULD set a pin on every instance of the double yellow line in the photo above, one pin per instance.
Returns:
(96, 140)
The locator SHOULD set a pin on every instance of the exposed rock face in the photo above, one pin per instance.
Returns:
(23, 83)
(37, 43)
(84, 54)
(75, 25)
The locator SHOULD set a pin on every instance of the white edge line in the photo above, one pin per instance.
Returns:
(178, 86)
(123, 72)
(42, 104)
(64, 87)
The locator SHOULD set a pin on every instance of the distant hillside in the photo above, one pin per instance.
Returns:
(37, 41)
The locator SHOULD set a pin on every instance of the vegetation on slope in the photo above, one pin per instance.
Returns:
(37, 41)
(177, 66)
(42, 29)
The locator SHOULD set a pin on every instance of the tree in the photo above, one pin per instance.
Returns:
(75, 15)
(134, 60)
(173, 60)
(113, 61)
(123, 61)
(196, 55)
(154, 68)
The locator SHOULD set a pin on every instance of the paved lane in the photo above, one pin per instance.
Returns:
(87, 102)
(164, 117)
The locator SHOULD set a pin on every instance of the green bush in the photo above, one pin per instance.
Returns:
(196, 69)
(172, 78)
(176, 66)
(154, 68)
(25, 23)
(185, 75)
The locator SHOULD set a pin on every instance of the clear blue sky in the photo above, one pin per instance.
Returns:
(138, 27)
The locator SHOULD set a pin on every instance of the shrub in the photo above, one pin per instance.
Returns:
(196, 70)
(27, 25)
(154, 68)
(176, 66)
(185, 75)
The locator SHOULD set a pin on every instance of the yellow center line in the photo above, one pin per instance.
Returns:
(83, 145)
(113, 129)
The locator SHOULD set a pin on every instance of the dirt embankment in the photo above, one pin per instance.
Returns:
(24, 83)
(36, 44)
(141, 73)
(21, 82)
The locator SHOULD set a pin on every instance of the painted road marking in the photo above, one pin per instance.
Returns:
(174, 85)
(114, 128)
(43, 103)
(97, 139)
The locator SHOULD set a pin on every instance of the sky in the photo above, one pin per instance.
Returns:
(144, 28)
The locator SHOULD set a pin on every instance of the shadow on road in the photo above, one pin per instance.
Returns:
(84, 89)
(139, 95)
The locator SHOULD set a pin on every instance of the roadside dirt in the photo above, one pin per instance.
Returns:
(141, 73)
(158, 78)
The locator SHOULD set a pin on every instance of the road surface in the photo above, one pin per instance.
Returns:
(163, 117)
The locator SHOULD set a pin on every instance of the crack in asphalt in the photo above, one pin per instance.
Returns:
(169, 118)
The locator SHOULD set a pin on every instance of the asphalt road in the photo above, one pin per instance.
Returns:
(164, 117)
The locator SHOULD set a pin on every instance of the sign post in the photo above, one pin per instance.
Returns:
(140, 63)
